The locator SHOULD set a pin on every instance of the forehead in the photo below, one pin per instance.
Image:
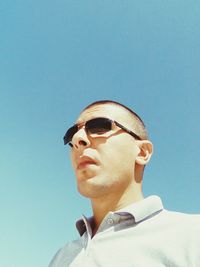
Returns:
(111, 111)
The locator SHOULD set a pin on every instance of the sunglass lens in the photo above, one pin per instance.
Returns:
(70, 133)
(98, 126)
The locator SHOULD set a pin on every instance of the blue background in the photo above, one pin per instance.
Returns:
(58, 56)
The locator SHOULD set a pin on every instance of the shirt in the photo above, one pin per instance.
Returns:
(143, 234)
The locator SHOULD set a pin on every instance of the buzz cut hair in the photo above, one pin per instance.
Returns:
(138, 124)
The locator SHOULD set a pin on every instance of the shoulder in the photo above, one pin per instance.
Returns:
(187, 224)
(181, 217)
(66, 254)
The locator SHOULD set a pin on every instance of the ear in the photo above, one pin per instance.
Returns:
(145, 152)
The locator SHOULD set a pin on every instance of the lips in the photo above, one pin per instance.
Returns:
(84, 161)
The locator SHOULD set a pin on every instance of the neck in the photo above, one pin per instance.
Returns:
(113, 202)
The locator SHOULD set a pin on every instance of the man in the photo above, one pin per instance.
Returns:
(109, 151)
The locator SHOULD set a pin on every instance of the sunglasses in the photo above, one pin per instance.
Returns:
(96, 127)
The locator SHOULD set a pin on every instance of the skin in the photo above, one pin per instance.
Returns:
(109, 168)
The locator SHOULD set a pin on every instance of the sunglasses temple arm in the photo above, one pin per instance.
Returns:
(127, 130)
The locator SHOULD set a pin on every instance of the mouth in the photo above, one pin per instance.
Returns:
(85, 162)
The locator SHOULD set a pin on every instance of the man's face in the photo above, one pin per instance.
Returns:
(104, 164)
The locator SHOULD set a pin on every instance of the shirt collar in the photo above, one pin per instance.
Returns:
(140, 210)
(83, 225)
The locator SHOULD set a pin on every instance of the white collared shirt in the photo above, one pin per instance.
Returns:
(140, 235)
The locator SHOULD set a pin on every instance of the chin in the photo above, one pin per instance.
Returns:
(84, 175)
(93, 187)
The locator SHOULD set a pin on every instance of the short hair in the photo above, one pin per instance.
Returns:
(138, 124)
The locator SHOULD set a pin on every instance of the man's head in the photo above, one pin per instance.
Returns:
(106, 157)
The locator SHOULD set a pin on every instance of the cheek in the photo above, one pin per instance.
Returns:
(72, 160)
(119, 158)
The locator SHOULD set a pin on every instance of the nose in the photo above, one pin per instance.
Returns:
(80, 139)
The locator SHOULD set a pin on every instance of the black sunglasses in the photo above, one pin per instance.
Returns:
(96, 126)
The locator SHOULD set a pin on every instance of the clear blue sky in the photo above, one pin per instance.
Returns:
(58, 56)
